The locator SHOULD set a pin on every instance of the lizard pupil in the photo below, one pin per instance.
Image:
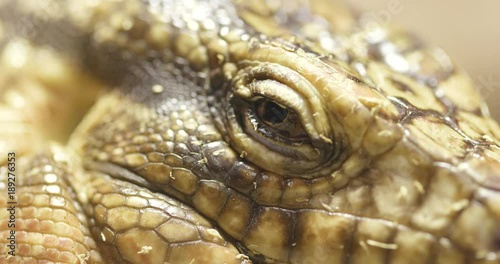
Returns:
(271, 113)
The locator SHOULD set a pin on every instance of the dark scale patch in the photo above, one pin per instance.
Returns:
(218, 82)
(136, 75)
(353, 78)
(177, 82)
(401, 86)
(181, 149)
(242, 177)
(193, 144)
(219, 159)
(281, 230)
(195, 163)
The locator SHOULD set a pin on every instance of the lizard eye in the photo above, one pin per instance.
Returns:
(271, 113)
(265, 122)
(274, 118)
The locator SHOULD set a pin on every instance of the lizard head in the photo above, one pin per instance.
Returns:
(305, 145)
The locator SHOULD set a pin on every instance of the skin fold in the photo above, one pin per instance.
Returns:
(238, 132)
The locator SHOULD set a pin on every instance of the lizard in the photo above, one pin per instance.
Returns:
(238, 132)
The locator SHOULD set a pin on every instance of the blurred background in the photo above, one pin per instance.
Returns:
(468, 31)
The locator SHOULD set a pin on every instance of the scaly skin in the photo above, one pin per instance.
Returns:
(240, 132)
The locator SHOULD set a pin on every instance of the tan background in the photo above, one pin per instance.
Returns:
(469, 31)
